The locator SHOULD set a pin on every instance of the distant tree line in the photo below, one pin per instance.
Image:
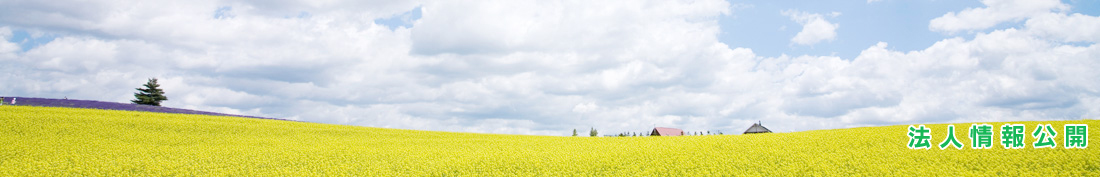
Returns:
(594, 133)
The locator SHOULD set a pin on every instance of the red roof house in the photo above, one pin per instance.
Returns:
(663, 131)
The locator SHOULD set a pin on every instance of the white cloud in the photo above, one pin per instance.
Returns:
(258, 61)
(814, 27)
(535, 67)
(995, 12)
(582, 26)
(1068, 28)
(585, 107)
(7, 49)
(958, 80)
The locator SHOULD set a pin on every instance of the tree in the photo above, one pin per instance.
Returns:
(574, 132)
(150, 95)
(593, 133)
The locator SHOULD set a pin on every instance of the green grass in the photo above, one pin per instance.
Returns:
(43, 141)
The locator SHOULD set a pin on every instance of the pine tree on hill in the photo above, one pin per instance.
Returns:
(150, 95)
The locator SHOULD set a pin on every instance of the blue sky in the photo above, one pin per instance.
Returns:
(903, 24)
(547, 67)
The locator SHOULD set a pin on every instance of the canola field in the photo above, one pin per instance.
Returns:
(45, 141)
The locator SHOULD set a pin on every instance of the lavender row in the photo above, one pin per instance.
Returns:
(47, 102)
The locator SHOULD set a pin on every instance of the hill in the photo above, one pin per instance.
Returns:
(51, 141)
(91, 104)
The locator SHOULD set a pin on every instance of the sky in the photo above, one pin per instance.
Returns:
(549, 67)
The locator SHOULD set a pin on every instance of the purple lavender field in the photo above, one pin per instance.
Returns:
(47, 102)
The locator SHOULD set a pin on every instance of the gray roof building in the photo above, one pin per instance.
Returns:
(757, 128)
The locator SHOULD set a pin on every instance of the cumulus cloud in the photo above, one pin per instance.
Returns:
(995, 12)
(536, 67)
(495, 27)
(814, 27)
(1067, 28)
(7, 48)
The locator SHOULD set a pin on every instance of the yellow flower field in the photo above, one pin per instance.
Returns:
(42, 141)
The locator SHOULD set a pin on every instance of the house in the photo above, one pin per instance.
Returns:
(663, 131)
(757, 128)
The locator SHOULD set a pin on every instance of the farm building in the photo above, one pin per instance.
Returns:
(757, 128)
(662, 131)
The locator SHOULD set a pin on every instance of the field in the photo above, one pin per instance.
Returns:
(47, 141)
(73, 103)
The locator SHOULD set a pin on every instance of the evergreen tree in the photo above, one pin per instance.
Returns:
(593, 133)
(574, 132)
(150, 95)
